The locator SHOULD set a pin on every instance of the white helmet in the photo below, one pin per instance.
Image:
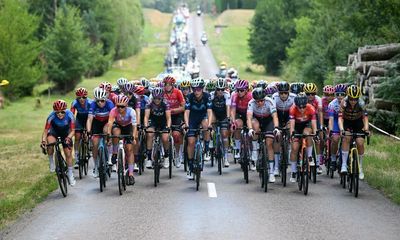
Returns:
(221, 83)
(121, 82)
(100, 93)
(197, 82)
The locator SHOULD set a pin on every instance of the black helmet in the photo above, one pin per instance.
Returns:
(301, 100)
(262, 84)
(283, 87)
(258, 93)
(296, 88)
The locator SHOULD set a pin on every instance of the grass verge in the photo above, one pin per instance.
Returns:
(24, 176)
(230, 45)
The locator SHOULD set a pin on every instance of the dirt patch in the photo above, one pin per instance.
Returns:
(238, 17)
(156, 18)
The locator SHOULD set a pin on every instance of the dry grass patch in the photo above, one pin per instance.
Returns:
(236, 17)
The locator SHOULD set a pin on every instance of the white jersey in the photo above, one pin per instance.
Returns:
(283, 105)
(266, 110)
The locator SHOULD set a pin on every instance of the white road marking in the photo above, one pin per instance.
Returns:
(212, 192)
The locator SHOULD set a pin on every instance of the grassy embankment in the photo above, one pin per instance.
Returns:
(230, 45)
(24, 176)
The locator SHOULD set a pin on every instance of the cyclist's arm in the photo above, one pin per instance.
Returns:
(71, 125)
(249, 117)
(210, 116)
(331, 119)
(89, 123)
(146, 117)
(186, 117)
(292, 124)
(111, 120)
(366, 123)
(314, 126)
(137, 110)
(168, 116)
(321, 116)
(275, 119)
(181, 107)
(233, 114)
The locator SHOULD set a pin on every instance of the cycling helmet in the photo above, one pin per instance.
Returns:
(185, 84)
(340, 88)
(59, 105)
(258, 93)
(222, 65)
(100, 93)
(210, 86)
(241, 84)
(310, 88)
(283, 87)
(328, 89)
(106, 85)
(232, 86)
(157, 92)
(230, 71)
(121, 100)
(115, 89)
(81, 92)
(144, 82)
(197, 82)
(139, 90)
(121, 82)
(262, 84)
(296, 88)
(301, 100)
(129, 87)
(353, 91)
(271, 90)
(169, 79)
(221, 83)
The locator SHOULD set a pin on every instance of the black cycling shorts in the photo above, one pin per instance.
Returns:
(354, 126)
(125, 130)
(97, 126)
(266, 124)
(299, 127)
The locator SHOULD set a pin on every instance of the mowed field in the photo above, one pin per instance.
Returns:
(24, 176)
(230, 44)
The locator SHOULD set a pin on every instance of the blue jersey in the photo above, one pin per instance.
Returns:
(64, 125)
(82, 111)
(198, 108)
(101, 114)
(333, 111)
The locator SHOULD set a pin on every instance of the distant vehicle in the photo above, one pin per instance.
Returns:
(198, 12)
(204, 39)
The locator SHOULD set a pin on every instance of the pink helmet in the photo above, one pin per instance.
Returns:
(59, 105)
(129, 87)
(106, 85)
(242, 84)
(121, 100)
(329, 89)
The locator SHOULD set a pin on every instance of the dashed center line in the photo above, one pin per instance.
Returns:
(212, 192)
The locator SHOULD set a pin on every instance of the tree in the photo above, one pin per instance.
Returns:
(19, 48)
(66, 49)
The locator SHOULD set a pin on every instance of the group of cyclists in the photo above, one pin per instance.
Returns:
(177, 109)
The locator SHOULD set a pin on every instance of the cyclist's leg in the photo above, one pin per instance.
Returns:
(116, 130)
(254, 142)
(348, 126)
(239, 124)
(309, 142)
(109, 147)
(76, 146)
(360, 146)
(267, 125)
(204, 124)
(224, 126)
(149, 146)
(165, 141)
(176, 134)
(50, 151)
(293, 158)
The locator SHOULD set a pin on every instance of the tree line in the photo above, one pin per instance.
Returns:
(303, 40)
(62, 41)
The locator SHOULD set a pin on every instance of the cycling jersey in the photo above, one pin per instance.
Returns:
(283, 107)
(143, 101)
(241, 103)
(265, 111)
(129, 118)
(325, 104)
(298, 117)
(100, 114)
(219, 104)
(174, 99)
(198, 108)
(157, 113)
(348, 113)
(133, 102)
(82, 112)
(112, 97)
(60, 127)
(333, 109)
(316, 103)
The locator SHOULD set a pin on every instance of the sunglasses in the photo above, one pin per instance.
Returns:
(82, 97)
(197, 89)
(340, 94)
(220, 89)
(283, 93)
(60, 112)
(353, 99)
(310, 94)
(185, 89)
(241, 90)
(261, 100)
(121, 107)
(101, 101)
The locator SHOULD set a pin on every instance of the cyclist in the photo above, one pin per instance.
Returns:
(283, 101)
(329, 95)
(261, 116)
(302, 121)
(270, 90)
(60, 123)
(210, 86)
(108, 87)
(221, 101)
(81, 105)
(115, 89)
(333, 109)
(121, 84)
(353, 117)
(240, 101)
(311, 91)
(157, 117)
(176, 102)
(197, 112)
(184, 86)
(262, 84)
(146, 84)
(97, 121)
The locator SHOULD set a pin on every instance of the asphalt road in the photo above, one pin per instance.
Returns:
(235, 210)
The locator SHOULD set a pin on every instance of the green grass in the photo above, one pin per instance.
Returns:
(382, 166)
(24, 176)
(231, 44)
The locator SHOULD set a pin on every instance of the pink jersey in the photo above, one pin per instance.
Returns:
(124, 120)
(241, 103)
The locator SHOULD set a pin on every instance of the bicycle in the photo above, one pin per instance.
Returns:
(284, 154)
(303, 166)
(142, 149)
(61, 166)
(158, 152)
(102, 155)
(121, 163)
(218, 151)
(353, 163)
(262, 163)
(83, 154)
(245, 152)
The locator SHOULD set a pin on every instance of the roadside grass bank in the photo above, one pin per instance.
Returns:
(230, 45)
(24, 176)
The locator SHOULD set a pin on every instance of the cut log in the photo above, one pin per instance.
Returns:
(378, 52)
(385, 104)
(359, 66)
(341, 70)
(376, 71)
(366, 65)
(374, 111)
(351, 58)
(375, 80)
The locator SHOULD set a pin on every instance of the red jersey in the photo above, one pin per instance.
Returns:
(298, 117)
(112, 97)
(241, 103)
(174, 99)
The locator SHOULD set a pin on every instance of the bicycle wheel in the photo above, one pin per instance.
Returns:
(185, 156)
(356, 172)
(300, 175)
(142, 151)
(101, 169)
(219, 154)
(306, 168)
(81, 156)
(61, 176)
(120, 172)
(245, 160)
(170, 157)
(86, 159)
(314, 168)
(156, 159)
(265, 167)
(197, 165)
(284, 160)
